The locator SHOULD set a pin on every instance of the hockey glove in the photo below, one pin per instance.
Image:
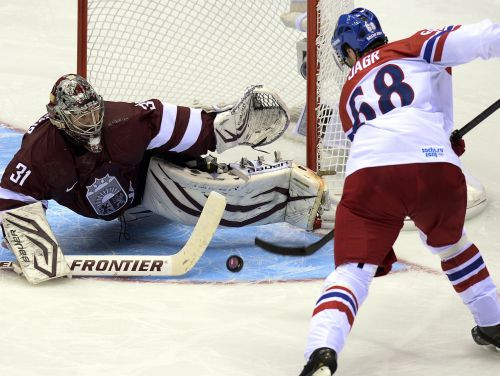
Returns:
(458, 146)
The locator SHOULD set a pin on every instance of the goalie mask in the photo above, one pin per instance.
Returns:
(78, 110)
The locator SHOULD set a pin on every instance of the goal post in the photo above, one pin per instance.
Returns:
(81, 58)
(312, 98)
(327, 145)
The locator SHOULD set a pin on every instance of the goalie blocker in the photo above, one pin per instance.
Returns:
(257, 192)
(33, 243)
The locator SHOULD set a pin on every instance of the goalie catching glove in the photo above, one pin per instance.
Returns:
(258, 118)
(30, 238)
(257, 192)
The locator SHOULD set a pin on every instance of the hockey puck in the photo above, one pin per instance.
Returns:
(234, 263)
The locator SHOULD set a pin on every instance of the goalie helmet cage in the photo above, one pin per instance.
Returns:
(192, 52)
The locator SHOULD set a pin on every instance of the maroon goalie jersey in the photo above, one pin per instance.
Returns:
(103, 185)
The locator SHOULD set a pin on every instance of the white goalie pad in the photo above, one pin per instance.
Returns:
(33, 243)
(257, 193)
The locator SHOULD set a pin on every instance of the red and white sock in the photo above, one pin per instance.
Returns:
(344, 290)
(470, 278)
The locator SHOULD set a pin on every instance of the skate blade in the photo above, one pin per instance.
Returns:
(491, 348)
(495, 349)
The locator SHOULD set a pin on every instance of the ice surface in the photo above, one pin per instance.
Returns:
(411, 324)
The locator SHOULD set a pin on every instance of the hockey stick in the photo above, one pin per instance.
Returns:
(152, 265)
(294, 251)
(310, 249)
(459, 133)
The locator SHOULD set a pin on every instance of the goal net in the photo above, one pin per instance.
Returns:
(191, 52)
(187, 51)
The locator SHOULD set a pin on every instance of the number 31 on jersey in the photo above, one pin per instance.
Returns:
(21, 174)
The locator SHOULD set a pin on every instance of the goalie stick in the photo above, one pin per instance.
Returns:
(311, 248)
(152, 265)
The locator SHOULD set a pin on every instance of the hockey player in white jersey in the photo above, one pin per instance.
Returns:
(396, 108)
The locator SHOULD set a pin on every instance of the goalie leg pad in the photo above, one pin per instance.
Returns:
(258, 118)
(308, 197)
(33, 243)
(256, 194)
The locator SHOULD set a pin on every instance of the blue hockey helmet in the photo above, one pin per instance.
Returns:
(358, 30)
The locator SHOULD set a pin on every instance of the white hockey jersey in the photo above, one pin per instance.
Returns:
(396, 105)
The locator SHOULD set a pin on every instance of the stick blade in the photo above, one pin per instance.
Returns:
(202, 234)
(294, 251)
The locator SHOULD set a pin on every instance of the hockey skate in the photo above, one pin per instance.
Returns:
(322, 362)
(487, 336)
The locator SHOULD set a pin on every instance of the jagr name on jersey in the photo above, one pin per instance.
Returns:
(364, 63)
